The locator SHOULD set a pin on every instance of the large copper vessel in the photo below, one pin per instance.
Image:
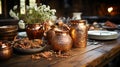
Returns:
(62, 41)
(78, 32)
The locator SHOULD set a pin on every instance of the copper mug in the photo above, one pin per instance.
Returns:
(6, 53)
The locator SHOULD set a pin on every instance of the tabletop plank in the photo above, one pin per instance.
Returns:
(91, 56)
(25, 60)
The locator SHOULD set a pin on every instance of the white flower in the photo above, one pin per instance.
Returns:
(21, 24)
(43, 6)
(36, 9)
(47, 8)
(27, 7)
(53, 18)
(47, 16)
(30, 11)
(15, 7)
(14, 15)
(53, 11)
(34, 13)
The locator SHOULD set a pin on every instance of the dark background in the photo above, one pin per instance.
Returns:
(92, 10)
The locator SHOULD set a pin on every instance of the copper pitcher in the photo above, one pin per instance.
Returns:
(62, 41)
(78, 32)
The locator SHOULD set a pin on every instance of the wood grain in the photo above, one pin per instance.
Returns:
(91, 56)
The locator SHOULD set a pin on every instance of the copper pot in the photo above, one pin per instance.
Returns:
(50, 34)
(8, 32)
(62, 41)
(34, 31)
(6, 53)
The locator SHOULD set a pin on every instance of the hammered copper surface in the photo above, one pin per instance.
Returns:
(78, 33)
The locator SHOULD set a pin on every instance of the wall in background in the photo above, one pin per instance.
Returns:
(67, 7)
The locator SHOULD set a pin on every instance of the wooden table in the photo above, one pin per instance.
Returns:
(91, 56)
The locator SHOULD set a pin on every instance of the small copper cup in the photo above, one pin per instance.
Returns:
(5, 53)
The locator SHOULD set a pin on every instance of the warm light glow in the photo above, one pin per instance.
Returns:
(4, 46)
(0, 7)
(22, 4)
(32, 2)
(110, 9)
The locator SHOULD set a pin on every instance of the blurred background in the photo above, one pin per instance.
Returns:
(92, 10)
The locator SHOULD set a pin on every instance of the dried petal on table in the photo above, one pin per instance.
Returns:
(46, 54)
(36, 57)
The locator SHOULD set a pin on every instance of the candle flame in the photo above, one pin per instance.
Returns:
(110, 9)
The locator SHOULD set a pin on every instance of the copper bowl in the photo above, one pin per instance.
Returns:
(8, 28)
(6, 53)
(8, 32)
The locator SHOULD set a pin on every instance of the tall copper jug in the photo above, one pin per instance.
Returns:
(78, 32)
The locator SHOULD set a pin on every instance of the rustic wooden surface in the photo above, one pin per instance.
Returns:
(91, 56)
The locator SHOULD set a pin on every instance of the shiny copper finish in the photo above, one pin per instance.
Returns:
(5, 53)
(62, 41)
(49, 35)
(34, 31)
(78, 33)
(8, 32)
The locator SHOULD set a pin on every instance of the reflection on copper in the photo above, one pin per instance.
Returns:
(78, 33)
